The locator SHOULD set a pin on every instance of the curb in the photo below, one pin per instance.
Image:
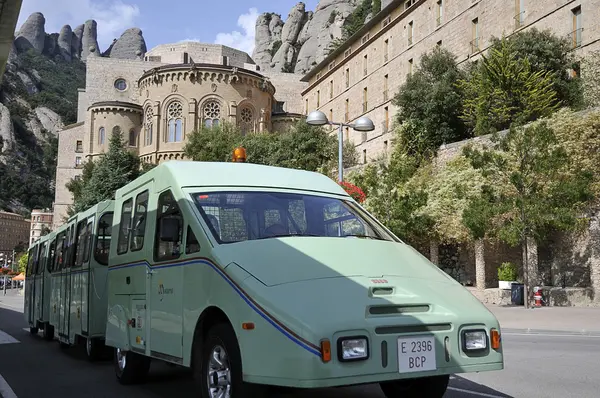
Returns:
(573, 333)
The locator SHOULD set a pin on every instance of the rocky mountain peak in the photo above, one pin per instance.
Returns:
(304, 39)
(78, 43)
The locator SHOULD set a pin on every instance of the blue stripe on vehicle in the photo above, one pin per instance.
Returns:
(240, 292)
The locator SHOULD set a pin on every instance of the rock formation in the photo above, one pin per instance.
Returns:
(32, 34)
(72, 44)
(305, 38)
(129, 45)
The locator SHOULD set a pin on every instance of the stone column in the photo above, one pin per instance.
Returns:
(156, 127)
(594, 232)
(192, 119)
(434, 252)
(480, 264)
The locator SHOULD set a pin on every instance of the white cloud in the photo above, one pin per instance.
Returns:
(113, 16)
(241, 40)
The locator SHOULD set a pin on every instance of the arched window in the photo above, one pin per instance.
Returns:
(247, 120)
(101, 136)
(175, 121)
(211, 113)
(132, 138)
(148, 121)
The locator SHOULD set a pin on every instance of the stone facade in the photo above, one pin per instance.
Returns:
(362, 76)
(14, 230)
(156, 101)
(41, 220)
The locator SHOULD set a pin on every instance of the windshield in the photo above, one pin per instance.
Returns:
(239, 216)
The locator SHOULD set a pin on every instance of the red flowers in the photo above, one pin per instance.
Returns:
(354, 191)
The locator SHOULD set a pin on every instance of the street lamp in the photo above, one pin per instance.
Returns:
(318, 118)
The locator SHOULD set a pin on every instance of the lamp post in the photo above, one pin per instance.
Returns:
(362, 124)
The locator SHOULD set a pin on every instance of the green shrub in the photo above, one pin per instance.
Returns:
(507, 272)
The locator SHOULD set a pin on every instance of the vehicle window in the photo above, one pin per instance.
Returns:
(59, 254)
(124, 227)
(238, 216)
(139, 221)
(51, 253)
(88, 242)
(79, 243)
(41, 259)
(191, 243)
(103, 236)
(30, 261)
(169, 228)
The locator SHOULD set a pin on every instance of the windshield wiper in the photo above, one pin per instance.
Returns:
(285, 236)
(364, 236)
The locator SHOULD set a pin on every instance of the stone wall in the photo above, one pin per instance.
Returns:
(287, 89)
(364, 77)
(200, 53)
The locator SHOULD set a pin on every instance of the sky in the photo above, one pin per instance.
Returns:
(227, 22)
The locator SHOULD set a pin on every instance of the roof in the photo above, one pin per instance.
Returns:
(204, 174)
(115, 104)
(377, 18)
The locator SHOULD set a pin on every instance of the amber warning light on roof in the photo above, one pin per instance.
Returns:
(239, 154)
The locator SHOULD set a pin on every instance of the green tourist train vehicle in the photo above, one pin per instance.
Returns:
(78, 301)
(37, 288)
(259, 278)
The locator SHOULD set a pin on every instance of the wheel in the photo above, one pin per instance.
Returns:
(218, 366)
(130, 367)
(93, 349)
(430, 387)
(48, 332)
(33, 330)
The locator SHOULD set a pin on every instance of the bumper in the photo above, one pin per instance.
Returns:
(369, 378)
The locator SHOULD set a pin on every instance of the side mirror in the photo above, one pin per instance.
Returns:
(169, 229)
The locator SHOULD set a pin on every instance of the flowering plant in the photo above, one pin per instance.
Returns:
(354, 191)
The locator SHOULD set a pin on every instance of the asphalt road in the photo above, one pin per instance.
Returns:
(535, 366)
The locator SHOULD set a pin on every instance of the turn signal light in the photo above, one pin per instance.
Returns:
(248, 326)
(495, 337)
(325, 350)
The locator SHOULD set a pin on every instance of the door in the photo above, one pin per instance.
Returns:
(81, 281)
(166, 282)
(39, 283)
(30, 286)
(65, 284)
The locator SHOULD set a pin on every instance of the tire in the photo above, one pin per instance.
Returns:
(33, 330)
(430, 387)
(48, 332)
(93, 349)
(221, 340)
(130, 367)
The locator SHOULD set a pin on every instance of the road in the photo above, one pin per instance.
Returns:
(535, 366)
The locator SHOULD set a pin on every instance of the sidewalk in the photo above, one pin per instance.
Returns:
(548, 320)
(12, 301)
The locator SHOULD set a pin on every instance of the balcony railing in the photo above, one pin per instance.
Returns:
(519, 19)
(576, 37)
(385, 127)
(474, 46)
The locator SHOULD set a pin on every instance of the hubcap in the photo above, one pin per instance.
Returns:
(219, 374)
(121, 359)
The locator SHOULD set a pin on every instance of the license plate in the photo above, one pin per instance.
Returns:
(416, 354)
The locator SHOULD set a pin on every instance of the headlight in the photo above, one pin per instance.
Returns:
(474, 340)
(353, 348)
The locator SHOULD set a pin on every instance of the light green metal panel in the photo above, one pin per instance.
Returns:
(29, 285)
(55, 285)
(97, 284)
(47, 291)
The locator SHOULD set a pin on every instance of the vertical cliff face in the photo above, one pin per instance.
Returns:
(38, 96)
(304, 39)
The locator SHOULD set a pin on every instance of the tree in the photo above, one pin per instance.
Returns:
(101, 179)
(590, 69)
(504, 89)
(529, 167)
(22, 263)
(302, 147)
(430, 105)
(547, 52)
